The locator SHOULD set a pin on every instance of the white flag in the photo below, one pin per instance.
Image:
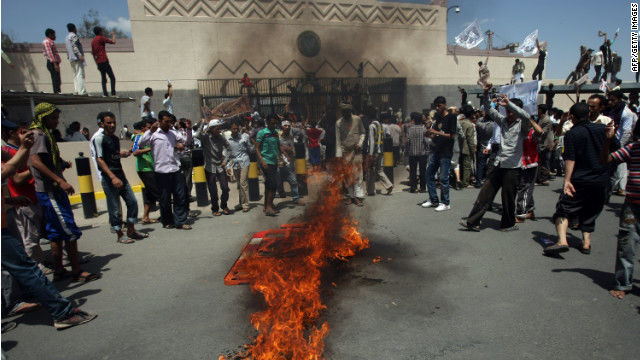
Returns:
(528, 46)
(471, 36)
(603, 86)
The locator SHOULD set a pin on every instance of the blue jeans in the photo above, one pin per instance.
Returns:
(113, 195)
(444, 163)
(172, 184)
(287, 173)
(28, 275)
(628, 240)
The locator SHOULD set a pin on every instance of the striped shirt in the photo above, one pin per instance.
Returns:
(50, 51)
(631, 153)
(416, 141)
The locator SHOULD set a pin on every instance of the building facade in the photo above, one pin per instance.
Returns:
(191, 40)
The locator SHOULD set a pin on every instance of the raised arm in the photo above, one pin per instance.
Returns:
(146, 137)
(11, 164)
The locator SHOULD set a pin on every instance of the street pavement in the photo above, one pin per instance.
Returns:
(439, 293)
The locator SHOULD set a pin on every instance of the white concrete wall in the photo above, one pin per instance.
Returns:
(184, 40)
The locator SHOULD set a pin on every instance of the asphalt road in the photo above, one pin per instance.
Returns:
(440, 293)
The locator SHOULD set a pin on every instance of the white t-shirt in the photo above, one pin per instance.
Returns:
(168, 105)
(145, 99)
(92, 150)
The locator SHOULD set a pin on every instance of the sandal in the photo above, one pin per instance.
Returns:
(85, 278)
(217, 213)
(184, 227)
(226, 212)
(138, 236)
(124, 239)
(150, 221)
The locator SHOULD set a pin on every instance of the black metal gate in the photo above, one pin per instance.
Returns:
(309, 98)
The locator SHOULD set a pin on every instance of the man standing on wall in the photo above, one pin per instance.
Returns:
(76, 58)
(145, 104)
(483, 72)
(99, 52)
(53, 59)
(542, 54)
(168, 99)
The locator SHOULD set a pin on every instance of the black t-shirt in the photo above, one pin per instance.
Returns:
(108, 148)
(443, 146)
(542, 56)
(583, 144)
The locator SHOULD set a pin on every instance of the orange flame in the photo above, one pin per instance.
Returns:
(290, 283)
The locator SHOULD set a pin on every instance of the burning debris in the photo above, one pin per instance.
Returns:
(286, 266)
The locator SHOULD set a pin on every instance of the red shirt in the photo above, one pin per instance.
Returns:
(313, 135)
(28, 188)
(246, 82)
(98, 48)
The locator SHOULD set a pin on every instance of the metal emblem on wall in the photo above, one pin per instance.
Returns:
(309, 43)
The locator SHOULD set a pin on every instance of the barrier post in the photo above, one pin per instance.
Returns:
(85, 183)
(254, 185)
(387, 163)
(301, 168)
(199, 177)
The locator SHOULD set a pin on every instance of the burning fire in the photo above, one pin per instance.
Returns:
(290, 277)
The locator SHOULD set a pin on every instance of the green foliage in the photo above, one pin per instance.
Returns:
(92, 19)
(7, 42)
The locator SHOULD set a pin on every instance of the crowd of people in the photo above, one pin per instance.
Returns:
(593, 146)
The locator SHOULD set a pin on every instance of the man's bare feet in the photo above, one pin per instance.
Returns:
(618, 293)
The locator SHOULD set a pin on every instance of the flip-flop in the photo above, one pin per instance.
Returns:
(138, 236)
(555, 249)
(585, 251)
(150, 221)
(217, 213)
(86, 278)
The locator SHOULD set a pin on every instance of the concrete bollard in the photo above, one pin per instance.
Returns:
(85, 184)
(199, 177)
(301, 168)
(254, 185)
(387, 162)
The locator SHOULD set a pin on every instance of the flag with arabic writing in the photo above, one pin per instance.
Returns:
(471, 36)
(528, 46)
